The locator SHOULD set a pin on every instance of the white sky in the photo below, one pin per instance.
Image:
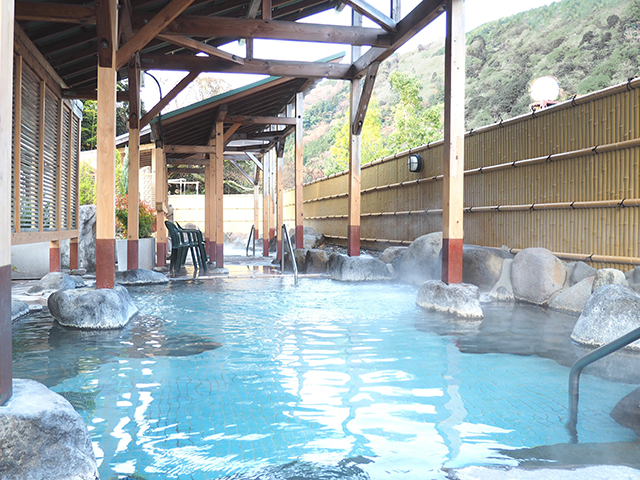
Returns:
(477, 12)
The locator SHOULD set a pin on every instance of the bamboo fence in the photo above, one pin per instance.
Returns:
(565, 178)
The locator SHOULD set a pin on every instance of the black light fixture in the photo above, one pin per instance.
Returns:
(415, 163)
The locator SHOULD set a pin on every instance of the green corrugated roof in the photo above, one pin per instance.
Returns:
(235, 91)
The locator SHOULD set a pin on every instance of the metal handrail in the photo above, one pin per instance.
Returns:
(588, 359)
(285, 236)
(251, 234)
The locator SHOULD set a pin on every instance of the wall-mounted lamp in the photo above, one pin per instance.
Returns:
(415, 163)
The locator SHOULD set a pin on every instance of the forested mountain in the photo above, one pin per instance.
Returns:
(586, 44)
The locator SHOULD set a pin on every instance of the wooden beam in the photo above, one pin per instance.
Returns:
(247, 120)
(255, 160)
(164, 101)
(421, 16)
(124, 24)
(153, 27)
(158, 161)
(90, 94)
(55, 12)
(266, 9)
(105, 32)
(134, 95)
(299, 178)
(254, 6)
(453, 184)
(185, 161)
(363, 103)
(106, 134)
(230, 131)
(241, 170)
(276, 68)
(227, 27)
(372, 13)
(196, 46)
(189, 149)
(184, 170)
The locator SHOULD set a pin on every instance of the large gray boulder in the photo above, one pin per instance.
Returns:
(357, 269)
(610, 312)
(460, 299)
(100, 309)
(502, 290)
(581, 271)
(18, 309)
(140, 276)
(316, 261)
(573, 299)
(43, 438)
(608, 276)
(482, 266)
(87, 240)
(392, 252)
(422, 260)
(311, 238)
(52, 282)
(536, 274)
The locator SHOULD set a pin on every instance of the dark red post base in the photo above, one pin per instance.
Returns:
(299, 236)
(219, 255)
(451, 260)
(265, 247)
(6, 373)
(353, 247)
(132, 254)
(54, 259)
(161, 254)
(279, 249)
(73, 254)
(272, 233)
(105, 262)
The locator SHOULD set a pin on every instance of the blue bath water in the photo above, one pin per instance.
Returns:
(320, 380)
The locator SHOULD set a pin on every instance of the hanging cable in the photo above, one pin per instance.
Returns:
(159, 113)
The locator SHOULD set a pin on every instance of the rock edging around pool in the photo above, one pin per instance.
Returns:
(42, 436)
(92, 308)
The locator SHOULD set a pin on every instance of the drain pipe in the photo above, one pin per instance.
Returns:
(581, 363)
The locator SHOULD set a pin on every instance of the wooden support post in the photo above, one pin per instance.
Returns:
(452, 200)
(355, 142)
(266, 162)
(73, 254)
(280, 195)
(299, 220)
(256, 204)
(106, 171)
(6, 79)
(208, 193)
(219, 188)
(133, 218)
(157, 157)
(272, 195)
(54, 256)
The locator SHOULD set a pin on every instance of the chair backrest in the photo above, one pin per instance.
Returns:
(176, 240)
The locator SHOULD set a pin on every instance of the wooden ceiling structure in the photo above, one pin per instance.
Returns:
(90, 44)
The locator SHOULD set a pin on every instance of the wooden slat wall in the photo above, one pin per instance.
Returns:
(45, 154)
(395, 214)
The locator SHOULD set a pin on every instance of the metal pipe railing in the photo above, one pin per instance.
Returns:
(588, 359)
(285, 236)
(251, 235)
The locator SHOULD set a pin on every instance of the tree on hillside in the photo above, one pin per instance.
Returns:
(372, 143)
(202, 88)
(414, 123)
